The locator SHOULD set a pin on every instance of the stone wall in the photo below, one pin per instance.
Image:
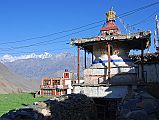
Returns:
(102, 91)
(151, 72)
(139, 105)
(66, 107)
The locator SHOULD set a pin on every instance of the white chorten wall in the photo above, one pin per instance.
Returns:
(122, 68)
(102, 91)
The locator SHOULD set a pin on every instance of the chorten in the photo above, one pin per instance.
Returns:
(111, 66)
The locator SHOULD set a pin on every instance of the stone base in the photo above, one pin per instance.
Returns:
(102, 91)
(122, 74)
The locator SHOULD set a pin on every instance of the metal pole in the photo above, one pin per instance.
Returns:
(78, 66)
(109, 62)
(85, 56)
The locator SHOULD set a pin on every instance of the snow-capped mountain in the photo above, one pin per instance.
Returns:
(10, 58)
(36, 66)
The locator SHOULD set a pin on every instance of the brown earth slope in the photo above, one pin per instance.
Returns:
(12, 83)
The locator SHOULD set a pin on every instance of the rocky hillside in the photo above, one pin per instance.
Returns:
(11, 83)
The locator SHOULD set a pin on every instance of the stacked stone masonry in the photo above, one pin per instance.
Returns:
(66, 107)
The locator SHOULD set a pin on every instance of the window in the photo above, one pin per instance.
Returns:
(58, 90)
(49, 82)
(47, 92)
(66, 75)
(45, 83)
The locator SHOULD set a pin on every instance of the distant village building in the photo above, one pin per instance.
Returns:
(58, 86)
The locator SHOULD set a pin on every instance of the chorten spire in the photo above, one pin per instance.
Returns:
(111, 15)
(111, 28)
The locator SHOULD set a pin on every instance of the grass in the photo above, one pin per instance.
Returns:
(13, 101)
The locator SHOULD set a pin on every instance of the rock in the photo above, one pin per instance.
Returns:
(137, 115)
(42, 104)
(150, 106)
(23, 114)
(124, 112)
(139, 106)
(46, 112)
(35, 103)
(66, 107)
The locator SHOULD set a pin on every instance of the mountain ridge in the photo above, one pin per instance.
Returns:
(12, 83)
(10, 58)
(36, 67)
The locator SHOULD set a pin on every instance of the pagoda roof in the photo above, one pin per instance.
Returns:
(110, 26)
(137, 40)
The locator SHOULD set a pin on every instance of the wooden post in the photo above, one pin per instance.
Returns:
(92, 57)
(85, 59)
(109, 62)
(51, 83)
(78, 66)
(142, 62)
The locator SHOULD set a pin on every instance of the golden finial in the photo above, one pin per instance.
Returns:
(111, 15)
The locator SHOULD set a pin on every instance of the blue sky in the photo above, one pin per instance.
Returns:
(25, 19)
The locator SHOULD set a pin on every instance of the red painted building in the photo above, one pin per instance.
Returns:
(57, 86)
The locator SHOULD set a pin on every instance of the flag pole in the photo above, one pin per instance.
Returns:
(156, 37)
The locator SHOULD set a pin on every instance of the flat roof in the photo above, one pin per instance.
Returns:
(130, 41)
(148, 58)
